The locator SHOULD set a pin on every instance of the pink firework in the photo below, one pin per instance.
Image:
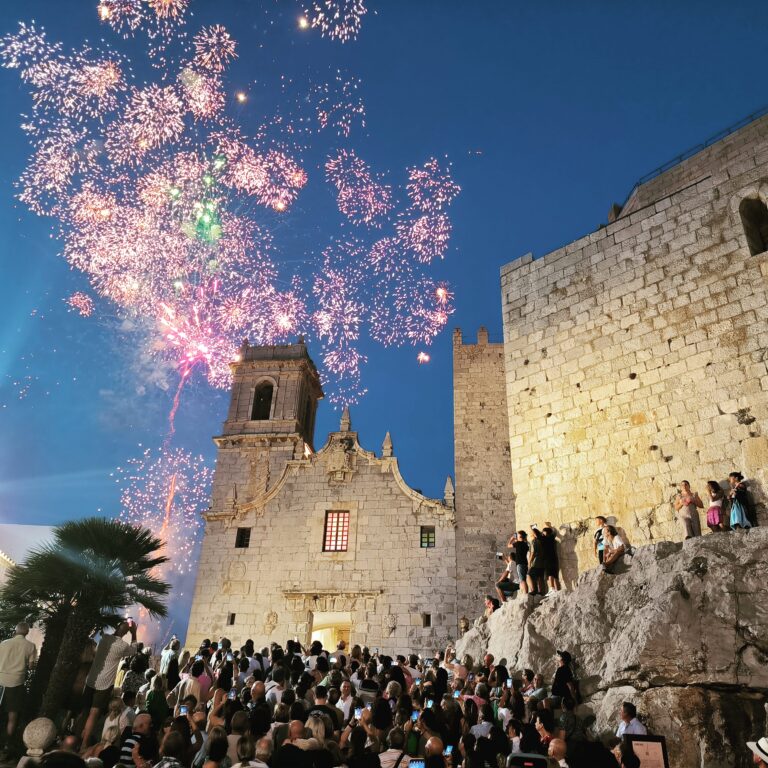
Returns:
(81, 303)
(360, 197)
(423, 357)
(167, 493)
(338, 19)
(338, 106)
(124, 16)
(166, 206)
(426, 236)
(214, 48)
(203, 94)
(431, 188)
(168, 9)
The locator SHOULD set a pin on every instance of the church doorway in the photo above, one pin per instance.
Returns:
(331, 627)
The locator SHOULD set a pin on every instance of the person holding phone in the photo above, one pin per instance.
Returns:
(101, 678)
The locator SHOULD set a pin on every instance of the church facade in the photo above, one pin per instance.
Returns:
(330, 544)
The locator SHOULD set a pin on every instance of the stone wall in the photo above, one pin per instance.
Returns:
(636, 356)
(484, 497)
(389, 585)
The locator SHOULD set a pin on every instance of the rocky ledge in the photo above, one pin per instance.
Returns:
(682, 632)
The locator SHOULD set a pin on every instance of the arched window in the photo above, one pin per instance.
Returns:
(262, 402)
(754, 219)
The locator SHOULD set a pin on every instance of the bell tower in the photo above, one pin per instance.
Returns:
(271, 420)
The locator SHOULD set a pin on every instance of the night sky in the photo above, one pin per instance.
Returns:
(549, 112)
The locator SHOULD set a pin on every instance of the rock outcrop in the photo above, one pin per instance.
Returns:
(683, 633)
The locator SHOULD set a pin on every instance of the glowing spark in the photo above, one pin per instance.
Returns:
(303, 22)
(338, 19)
(422, 358)
(82, 303)
(214, 48)
(241, 97)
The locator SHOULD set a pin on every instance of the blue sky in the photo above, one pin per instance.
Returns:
(549, 113)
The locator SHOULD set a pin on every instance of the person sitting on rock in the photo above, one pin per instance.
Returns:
(628, 723)
(506, 583)
(491, 605)
(538, 694)
(615, 549)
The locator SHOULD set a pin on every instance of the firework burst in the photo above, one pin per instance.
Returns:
(167, 492)
(338, 19)
(166, 205)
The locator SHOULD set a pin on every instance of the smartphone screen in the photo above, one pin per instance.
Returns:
(417, 681)
(414, 716)
(456, 694)
(430, 703)
(230, 657)
(358, 713)
(416, 763)
(448, 750)
(509, 682)
(232, 694)
(183, 709)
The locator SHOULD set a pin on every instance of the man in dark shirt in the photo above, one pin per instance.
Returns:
(322, 708)
(562, 683)
(519, 543)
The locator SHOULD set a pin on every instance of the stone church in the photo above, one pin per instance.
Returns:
(633, 358)
(332, 543)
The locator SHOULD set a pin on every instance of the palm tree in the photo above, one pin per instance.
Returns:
(93, 570)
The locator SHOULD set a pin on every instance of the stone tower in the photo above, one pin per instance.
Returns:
(484, 497)
(271, 420)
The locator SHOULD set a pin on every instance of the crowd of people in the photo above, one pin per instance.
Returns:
(532, 566)
(291, 707)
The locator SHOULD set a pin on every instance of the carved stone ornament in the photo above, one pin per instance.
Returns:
(270, 622)
(390, 623)
(340, 461)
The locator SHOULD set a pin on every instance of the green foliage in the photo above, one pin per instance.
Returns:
(83, 581)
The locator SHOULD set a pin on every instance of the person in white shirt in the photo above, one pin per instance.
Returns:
(396, 751)
(101, 679)
(485, 722)
(629, 724)
(346, 699)
(614, 551)
(17, 655)
(170, 652)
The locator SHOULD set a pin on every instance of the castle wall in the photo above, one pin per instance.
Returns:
(484, 497)
(386, 581)
(636, 356)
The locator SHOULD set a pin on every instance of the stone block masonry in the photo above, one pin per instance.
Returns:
(484, 497)
(636, 356)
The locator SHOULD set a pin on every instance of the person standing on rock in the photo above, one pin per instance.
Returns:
(599, 543)
(740, 502)
(687, 505)
(615, 549)
(519, 543)
(536, 564)
(715, 513)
